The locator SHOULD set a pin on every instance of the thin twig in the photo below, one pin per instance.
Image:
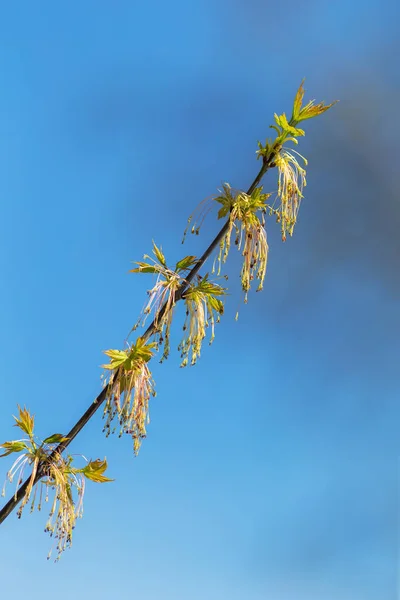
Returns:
(151, 330)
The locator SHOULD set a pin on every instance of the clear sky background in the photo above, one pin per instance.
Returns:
(271, 469)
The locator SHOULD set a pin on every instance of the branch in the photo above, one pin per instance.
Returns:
(268, 162)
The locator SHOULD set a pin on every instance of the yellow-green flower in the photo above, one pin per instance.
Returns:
(57, 475)
(291, 181)
(162, 296)
(129, 390)
(203, 309)
(246, 216)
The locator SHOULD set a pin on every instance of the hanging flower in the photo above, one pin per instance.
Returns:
(203, 309)
(56, 475)
(246, 216)
(162, 296)
(129, 390)
(291, 181)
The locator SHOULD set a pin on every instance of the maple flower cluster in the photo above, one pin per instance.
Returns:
(54, 474)
(127, 377)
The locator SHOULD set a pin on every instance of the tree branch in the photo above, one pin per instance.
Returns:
(151, 330)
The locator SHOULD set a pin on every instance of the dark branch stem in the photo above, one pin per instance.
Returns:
(151, 330)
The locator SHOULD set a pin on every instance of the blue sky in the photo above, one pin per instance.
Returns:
(271, 467)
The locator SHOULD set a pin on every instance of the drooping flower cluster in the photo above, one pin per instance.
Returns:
(291, 176)
(62, 479)
(162, 296)
(291, 181)
(129, 390)
(246, 216)
(130, 385)
(54, 474)
(203, 309)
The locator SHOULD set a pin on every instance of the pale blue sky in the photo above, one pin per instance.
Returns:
(270, 471)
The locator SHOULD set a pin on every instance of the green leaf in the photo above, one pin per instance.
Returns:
(286, 127)
(298, 101)
(25, 422)
(144, 268)
(56, 438)
(208, 287)
(223, 211)
(118, 357)
(185, 263)
(296, 131)
(310, 110)
(281, 120)
(94, 471)
(216, 304)
(227, 201)
(160, 256)
(11, 447)
(144, 350)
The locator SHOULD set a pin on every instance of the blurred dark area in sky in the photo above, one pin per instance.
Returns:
(116, 122)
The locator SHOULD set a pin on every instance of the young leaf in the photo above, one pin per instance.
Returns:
(281, 120)
(11, 447)
(160, 256)
(143, 349)
(286, 128)
(223, 212)
(118, 357)
(310, 110)
(185, 263)
(56, 438)
(298, 101)
(25, 422)
(144, 268)
(94, 471)
(216, 304)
